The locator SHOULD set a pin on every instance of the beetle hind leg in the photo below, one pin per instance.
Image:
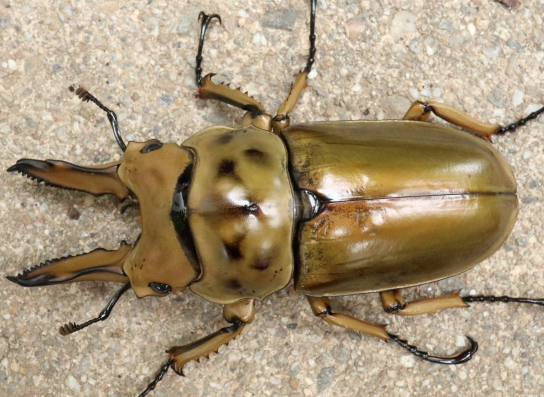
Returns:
(420, 111)
(282, 120)
(393, 302)
(322, 309)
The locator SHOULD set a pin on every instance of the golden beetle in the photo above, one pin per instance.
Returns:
(343, 207)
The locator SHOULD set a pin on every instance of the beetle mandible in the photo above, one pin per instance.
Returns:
(248, 222)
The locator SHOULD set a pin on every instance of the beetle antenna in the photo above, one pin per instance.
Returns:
(164, 369)
(70, 328)
(86, 96)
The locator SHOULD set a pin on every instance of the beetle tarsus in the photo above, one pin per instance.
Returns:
(503, 299)
(458, 359)
(512, 127)
(311, 55)
(70, 328)
(164, 369)
(205, 21)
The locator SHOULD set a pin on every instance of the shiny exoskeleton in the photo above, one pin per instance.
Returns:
(346, 207)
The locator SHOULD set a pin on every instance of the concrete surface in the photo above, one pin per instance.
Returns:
(374, 58)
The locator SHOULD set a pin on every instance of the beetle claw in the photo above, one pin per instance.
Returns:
(462, 357)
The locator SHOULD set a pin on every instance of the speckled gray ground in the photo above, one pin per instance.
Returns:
(374, 59)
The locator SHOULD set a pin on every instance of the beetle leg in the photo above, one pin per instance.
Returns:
(422, 110)
(322, 309)
(238, 314)
(207, 89)
(503, 299)
(97, 265)
(97, 179)
(281, 120)
(392, 302)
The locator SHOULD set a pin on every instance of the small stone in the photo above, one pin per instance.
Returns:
(431, 45)
(497, 98)
(218, 119)
(492, 51)
(515, 46)
(324, 378)
(165, 100)
(522, 242)
(283, 19)
(73, 213)
(184, 25)
(512, 4)
(403, 24)
(12, 65)
(407, 361)
(62, 134)
(445, 24)
(292, 326)
(471, 29)
(517, 98)
(4, 345)
(415, 46)
(395, 105)
(509, 363)
(340, 353)
(354, 27)
(72, 384)
(527, 154)
(57, 68)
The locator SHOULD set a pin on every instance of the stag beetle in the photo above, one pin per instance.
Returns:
(345, 207)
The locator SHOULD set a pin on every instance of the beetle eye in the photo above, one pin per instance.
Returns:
(160, 288)
(153, 145)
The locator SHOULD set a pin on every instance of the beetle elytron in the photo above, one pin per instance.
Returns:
(367, 207)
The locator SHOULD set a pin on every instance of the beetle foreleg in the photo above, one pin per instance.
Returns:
(97, 265)
(97, 180)
(281, 120)
(207, 89)
(238, 314)
(392, 302)
(321, 308)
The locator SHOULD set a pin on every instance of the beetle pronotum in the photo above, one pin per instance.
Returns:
(365, 346)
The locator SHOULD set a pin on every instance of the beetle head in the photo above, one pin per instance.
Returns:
(163, 259)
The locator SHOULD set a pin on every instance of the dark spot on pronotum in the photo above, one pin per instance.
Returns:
(255, 154)
(233, 249)
(262, 264)
(234, 284)
(225, 138)
(226, 168)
